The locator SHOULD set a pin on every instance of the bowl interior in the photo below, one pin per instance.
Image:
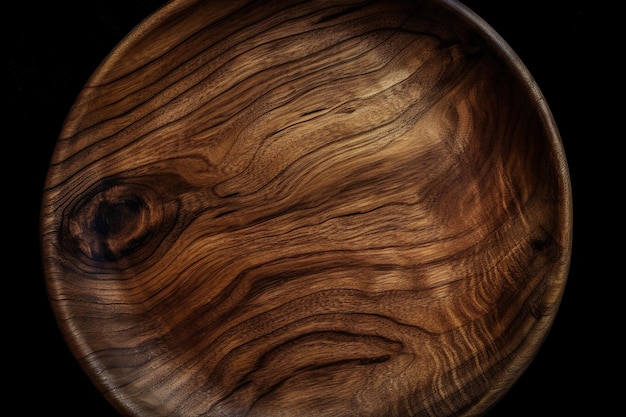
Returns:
(307, 208)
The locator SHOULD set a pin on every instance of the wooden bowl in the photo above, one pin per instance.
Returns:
(307, 209)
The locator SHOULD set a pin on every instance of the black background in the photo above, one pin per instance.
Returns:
(53, 47)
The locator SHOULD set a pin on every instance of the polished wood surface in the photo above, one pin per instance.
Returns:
(307, 209)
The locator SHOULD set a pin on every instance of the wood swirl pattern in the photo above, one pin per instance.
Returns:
(353, 208)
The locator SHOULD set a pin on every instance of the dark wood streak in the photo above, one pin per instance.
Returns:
(307, 209)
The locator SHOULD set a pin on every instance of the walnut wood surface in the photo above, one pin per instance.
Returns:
(307, 209)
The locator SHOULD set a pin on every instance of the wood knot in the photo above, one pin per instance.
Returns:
(115, 224)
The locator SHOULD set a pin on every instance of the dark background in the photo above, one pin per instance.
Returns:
(55, 46)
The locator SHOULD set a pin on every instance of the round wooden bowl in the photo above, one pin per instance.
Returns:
(307, 209)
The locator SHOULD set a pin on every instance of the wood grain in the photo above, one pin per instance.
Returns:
(307, 209)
